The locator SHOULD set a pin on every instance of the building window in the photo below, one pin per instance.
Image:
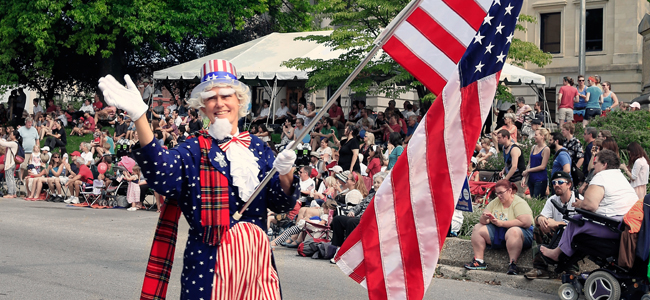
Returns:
(551, 25)
(594, 30)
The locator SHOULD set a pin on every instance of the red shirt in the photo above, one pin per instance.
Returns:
(51, 108)
(86, 175)
(374, 167)
(98, 105)
(2, 160)
(335, 112)
(89, 124)
(568, 94)
(396, 128)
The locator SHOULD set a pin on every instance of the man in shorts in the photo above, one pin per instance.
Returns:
(30, 138)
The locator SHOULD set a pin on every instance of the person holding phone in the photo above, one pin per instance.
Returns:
(506, 223)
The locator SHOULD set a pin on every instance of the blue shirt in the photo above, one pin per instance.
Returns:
(561, 159)
(410, 130)
(594, 97)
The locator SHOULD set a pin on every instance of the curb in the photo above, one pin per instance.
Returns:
(548, 286)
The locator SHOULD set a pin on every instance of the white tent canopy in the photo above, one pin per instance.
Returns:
(260, 58)
(512, 74)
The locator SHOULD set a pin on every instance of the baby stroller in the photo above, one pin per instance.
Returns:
(610, 281)
(483, 188)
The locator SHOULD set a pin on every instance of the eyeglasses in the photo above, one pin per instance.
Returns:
(558, 182)
(55, 157)
(581, 80)
(501, 193)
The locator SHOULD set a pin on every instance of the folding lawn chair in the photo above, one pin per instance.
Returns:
(92, 193)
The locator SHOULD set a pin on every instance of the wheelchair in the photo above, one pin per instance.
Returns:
(610, 281)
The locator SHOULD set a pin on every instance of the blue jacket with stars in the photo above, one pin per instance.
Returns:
(174, 174)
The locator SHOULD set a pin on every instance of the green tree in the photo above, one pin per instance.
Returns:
(56, 46)
(357, 24)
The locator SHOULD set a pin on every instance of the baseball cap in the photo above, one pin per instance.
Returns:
(76, 153)
(46, 148)
(635, 104)
(336, 169)
(536, 122)
(314, 154)
(561, 174)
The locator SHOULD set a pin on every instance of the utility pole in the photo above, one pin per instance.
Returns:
(582, 66)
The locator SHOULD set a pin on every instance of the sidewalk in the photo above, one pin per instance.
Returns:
(457, 252)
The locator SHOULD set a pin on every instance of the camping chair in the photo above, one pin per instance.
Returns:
(109, 195)
(92, 193)
(149, 204)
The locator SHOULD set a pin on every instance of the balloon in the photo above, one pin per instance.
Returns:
(101, 168)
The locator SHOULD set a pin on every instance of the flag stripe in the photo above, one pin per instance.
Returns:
(408, 238)
(425, 51)
(469, 11)
(389, 243)
(375, 277)
(412, 63)
(450, 20)
(454, 134)
(438, 35)
(423, 214)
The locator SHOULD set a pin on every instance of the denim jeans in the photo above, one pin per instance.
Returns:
(537, 189)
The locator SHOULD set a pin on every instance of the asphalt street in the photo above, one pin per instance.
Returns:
(53, 251)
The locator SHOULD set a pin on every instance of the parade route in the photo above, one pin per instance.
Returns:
(50, 251)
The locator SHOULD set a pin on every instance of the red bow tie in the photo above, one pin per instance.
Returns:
(242, 138)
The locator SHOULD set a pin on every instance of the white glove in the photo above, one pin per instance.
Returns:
(285, 159)
(127, 99)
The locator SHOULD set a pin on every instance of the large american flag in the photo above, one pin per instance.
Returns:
(457, 49)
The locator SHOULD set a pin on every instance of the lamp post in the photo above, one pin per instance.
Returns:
(581, 39)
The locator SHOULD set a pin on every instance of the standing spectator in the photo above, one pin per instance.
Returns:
(535, 174)
(57, 138)
(638, 163)
(375, 160)
(562, 160)
(541, 114)
(573, 145)
(582, 94)
(523, 109)
(610, 101)
(133, 191)
(501, 109)
(349, 150)
(513, 158)
(336, 114)
(510, 126)
(594, 100)
(567, 96)
(395, 148)
(37, 107)
(368, 142)
(11, 144)
(29, 139)
(590, 135)
(147, 93)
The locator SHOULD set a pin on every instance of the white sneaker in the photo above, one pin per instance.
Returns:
(68, 200)
(75, 200)
(132, 209)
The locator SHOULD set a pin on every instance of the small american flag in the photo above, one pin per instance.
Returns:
(457, 49)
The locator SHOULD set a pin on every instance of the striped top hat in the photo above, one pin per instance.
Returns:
(214, 71)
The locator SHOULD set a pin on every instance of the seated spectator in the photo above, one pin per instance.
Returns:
(308, 113)
(281, 113)
(50, 107)
(56, 177)
(506, 223)
(34, 175)
(57, 137)
(608, 194)
(46, 127)
(307, 185)
(195, 124)
(395, 149)
(97, 105)
(378, 129)
(37, 107)
(287, 134)
(375, 161)
(85, 149)
(412, 124)
(262, 113)
(330, 189)
(391, 126)
(292, 237)
(550, 220)
(263, 133)
(87, 127)
(105, 114)
(487, 151)
(121, 128)
(637, 169)
(78, 181)
(324, 151)
(355, 188)
(336, 114)
(86, 108)
(61, 116)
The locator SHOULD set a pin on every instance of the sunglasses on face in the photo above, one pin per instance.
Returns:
(559, 182)
(581, 80)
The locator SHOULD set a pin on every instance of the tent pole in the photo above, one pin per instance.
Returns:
(311, 125)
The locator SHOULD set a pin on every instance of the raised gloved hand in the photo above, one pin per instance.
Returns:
(125, 98)
(285, 159)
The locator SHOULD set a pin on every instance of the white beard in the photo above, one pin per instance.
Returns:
(220, 128)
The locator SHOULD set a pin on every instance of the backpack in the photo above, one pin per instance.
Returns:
(19, 156)
(576, 173)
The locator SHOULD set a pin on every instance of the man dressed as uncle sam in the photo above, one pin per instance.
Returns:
(208, 178)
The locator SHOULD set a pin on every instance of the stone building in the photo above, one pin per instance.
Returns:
(614, 46)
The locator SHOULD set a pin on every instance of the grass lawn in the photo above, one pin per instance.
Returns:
(75, 141)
